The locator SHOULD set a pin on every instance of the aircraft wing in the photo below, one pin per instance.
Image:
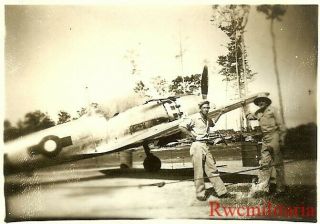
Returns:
(138, 138)
(161, 130)
(232, 106)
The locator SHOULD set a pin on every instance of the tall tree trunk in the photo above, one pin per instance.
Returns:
(238, 78)
(276, 69)
(245, 107)
(226, 114)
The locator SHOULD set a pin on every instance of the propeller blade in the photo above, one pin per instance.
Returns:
(204, 83)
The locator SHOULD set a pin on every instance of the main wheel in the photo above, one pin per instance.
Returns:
(152, 163)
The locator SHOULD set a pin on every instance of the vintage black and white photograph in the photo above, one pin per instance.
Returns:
(160, 111)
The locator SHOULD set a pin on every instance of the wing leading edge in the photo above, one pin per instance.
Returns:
(162, 130)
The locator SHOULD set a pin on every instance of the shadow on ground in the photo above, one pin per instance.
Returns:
(184, 174)
(173, 174)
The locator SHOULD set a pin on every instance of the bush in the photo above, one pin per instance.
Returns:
(301, 142)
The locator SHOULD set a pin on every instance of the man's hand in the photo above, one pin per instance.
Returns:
(250, 116)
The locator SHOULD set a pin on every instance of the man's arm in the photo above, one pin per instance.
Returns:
(186, 127)
(188, 133)
(215, 119)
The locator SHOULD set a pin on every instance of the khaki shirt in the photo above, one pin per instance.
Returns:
(269, 120)
(198, 125)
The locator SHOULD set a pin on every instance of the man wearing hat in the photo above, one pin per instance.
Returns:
(273, 132)
(198, 128)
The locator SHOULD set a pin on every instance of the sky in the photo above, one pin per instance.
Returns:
(52, 53)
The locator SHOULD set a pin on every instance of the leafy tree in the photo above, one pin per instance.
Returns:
(81, 112)
(232, 20)
(92, 108)
(32, 122)
(187, 84)
(7, 124)
(178, 86)
(274, 12)
(233, 71)
(160, 85)
(141, 89)
(63, 117)
(35, 121)
(96, 108)
(9, 132)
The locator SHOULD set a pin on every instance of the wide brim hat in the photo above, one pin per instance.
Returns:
(262, 98)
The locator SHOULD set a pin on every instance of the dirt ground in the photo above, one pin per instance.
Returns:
(98, 189)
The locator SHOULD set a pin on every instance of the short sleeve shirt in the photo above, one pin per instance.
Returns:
(198, 124)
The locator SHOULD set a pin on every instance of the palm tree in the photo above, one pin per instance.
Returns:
(274, 12)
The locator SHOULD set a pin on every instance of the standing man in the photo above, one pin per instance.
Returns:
(273, 134)
(198, 128)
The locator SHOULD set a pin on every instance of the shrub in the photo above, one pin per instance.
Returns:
(301, 142)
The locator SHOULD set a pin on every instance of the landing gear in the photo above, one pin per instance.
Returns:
(125, 160)
(151, 163)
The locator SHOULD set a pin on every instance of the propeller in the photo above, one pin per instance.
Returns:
(204, 83)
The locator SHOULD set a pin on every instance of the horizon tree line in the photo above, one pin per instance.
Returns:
(232, 20)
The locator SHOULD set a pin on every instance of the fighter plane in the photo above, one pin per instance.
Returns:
(94, 135)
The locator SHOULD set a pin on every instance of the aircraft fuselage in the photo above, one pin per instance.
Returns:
(91, 134)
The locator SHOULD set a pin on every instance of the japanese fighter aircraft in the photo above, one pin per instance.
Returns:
(93, 135)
